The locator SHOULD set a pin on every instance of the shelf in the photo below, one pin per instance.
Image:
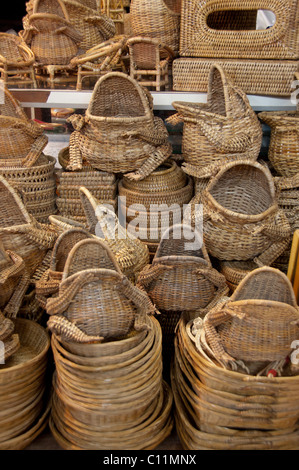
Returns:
(162, 100)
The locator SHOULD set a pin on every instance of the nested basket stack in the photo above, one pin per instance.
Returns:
(262, 61)
(248, 401)
(101, 184)
(108, 388)
(119, 132)
(23, 387)
(156, 202)
(22, 162)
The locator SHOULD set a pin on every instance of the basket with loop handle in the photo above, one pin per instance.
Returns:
(20, 232)
(258, 322)
(284, 140)
(119, 132)
(48, 284)
(21, 139)
(225, 128)
(98, 299)
(241, 217)
(130, 253)
(181, 276)
(51, 36)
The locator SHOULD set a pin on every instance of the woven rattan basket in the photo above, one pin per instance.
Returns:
(235, 271)
(284, 140)
(92, 279)
(20, 232)
(181, 276)
(242, 220)
(224, 129)
(157, 19)
(203, 35)
(119, 132)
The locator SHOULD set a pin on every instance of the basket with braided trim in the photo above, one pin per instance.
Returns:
(181, 276)
(224, 129)
(119, 132)
(96, 296)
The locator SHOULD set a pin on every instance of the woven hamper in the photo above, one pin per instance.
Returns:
(226, 128)
(201, 38)
(119, 133)
(241, 217)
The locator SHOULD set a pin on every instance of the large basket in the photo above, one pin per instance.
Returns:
(119, 133)
(284, 140)
(224, 129)
(258, 323)
(203, 35)
(20, 232)
(94, 294)
(181, 276)
(242, 220)
(158, 19)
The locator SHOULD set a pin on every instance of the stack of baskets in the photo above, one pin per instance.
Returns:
(262, 61)
(22, 162)
(155, 202)
(102, 185)
(23, 387)
(248, 401)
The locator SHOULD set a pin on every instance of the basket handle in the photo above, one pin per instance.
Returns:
(150, 272)
(138, 296)
(18, 267)
(40, 234)
(155, 159)
(68, 331)
(215, 137)
(47, 286)
(70, 32)
(268, 257)
(12, 308)
(36, 149)
(75, 160)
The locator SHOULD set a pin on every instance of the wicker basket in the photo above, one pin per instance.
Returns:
(10, 342)
(284, 142)
(242, 220)
(157, 19)
(181, 277)
(202, 36)
(235, 271)
(224, 129)
(51, 36)
(119, 132)
(20, 232)
(93, 280)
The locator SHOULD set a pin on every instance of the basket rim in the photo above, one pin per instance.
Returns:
(60, 238)
(186, 188)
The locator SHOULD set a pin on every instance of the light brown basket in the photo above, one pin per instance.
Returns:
(284, 140)
(202, 36)
(158, 19)
(224, 129)
(242, 220)
(119, 132)
(235, 271)
(96, 296)
(181, 276)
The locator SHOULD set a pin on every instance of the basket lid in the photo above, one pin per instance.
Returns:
(90, 254)
(63, 245)
(118, 98)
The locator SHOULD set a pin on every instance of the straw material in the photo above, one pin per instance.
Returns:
(254, 77)
(119, 132)
(242, 220)
(203, 35)
(16, 61)
(181, 278)
(158, 19)
(95, 296)
(284, 141)
(235, 271)
(224, 129)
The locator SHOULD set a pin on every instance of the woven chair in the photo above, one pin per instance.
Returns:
(96, 296)
(258, 323)
(16, 61)
(181, 276)
(119, 133)
(149, 62)
(241, 217)
(224, 129)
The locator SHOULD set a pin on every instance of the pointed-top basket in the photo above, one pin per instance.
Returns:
(224, 129)
(95, 295)
(258, 323)
(181, 276)
(119, 132)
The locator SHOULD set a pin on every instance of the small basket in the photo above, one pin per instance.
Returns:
(119, 132)
(235, 271)
(181, 276)
(284, 140)
(224, 129)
